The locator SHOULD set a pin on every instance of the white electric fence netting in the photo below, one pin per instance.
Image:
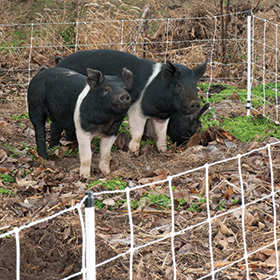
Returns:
(88, 264)
(264, 66)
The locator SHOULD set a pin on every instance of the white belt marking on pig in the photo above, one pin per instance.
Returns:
(80, 99)
(136, 118)
(84, 138)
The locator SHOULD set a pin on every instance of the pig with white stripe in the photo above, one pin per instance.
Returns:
(85, 106)
(159, 89)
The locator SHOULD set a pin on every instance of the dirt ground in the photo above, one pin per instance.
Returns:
(52, 250)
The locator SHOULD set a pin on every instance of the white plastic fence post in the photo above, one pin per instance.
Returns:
(77, 35)
(248, 106)
(29, 62)
(90, 236)
(121, 46)
(167, 40)
(16, 231)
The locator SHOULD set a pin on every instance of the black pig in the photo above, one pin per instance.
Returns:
(86, 106)
(159, 90)
(182, 126)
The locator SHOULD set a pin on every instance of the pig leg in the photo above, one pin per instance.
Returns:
(160, 127)
(70, 135)
(106, 143)
(137, 125)
(84, 140)
(55, 132)
(40, 135)
(38, 119)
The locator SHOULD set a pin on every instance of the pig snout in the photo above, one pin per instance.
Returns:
(123, 99)
(193, 106)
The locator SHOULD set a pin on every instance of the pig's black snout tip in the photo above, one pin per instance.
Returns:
(194, 106)
(124, 98)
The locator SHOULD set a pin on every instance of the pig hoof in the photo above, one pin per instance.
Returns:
(134, 149)
(105, 172)
(84, 173)
(104, 168)
(136, 154)
(162, 149)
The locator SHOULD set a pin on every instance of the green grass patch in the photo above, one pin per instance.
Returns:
(244, 128)
(7, 178)
(115, 184)
(257, 93)
(4, 191)
(207, 119)
(195, 206)
(251, 128)
(161, 200)
(18, 117)
(15, 153)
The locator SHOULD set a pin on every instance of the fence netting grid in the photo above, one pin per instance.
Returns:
(239, 214)
(156, 39)
(265, 76)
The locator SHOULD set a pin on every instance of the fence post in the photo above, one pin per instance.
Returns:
(90, 236)
(248, 106)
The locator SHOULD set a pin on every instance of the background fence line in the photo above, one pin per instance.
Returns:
(229, 67)
(262, 49)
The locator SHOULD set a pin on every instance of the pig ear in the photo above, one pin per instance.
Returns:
(200, 69)
(58, 59)
(199, 113)
(127, 77)
(169, 70)
(94, 77)
(42, 68)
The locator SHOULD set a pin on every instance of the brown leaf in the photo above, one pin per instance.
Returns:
(271, 261)
(7, 129)
(194, 191)
(225, 229)
(4, 170)
(220, 140)
(109, 201)
(177, 194)
(24, 205)
(186, 195)
(148, 173)
(151, 179)
(194, 140)
(161, 172)
(187, 249)
(25, 183)
(226, 135)
(67, 233)
(228, 193)
(62, 151)
(209, 135)
(249, 218)
(203, 189)
(3, 155)
(234, 96)
(42, 225)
